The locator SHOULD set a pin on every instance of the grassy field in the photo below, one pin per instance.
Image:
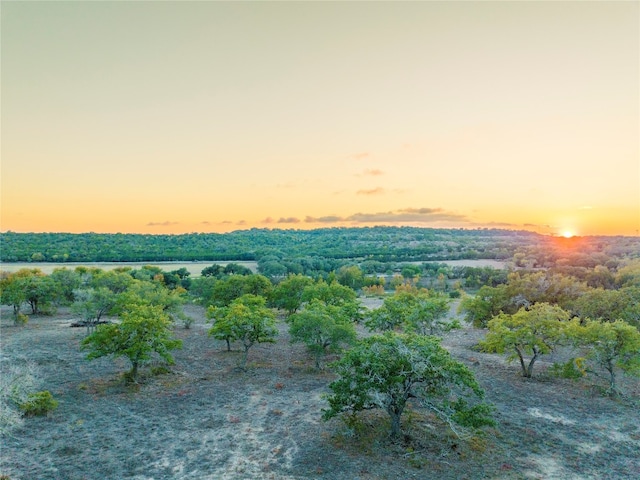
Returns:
(208, 420)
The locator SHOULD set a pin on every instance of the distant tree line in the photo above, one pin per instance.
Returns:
(385, 244)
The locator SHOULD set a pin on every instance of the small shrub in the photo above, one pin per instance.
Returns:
(38, 404)
(573, 369)
(187, 322)
(19, 320)
(160, 370)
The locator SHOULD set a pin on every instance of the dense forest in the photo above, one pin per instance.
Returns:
(384, 244)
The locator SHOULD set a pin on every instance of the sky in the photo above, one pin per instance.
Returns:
(179, 117)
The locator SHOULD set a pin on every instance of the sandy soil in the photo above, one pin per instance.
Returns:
(208, 420)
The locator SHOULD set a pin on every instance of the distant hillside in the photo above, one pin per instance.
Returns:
(375, 243)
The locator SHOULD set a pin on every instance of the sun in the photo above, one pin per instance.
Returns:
(567, 234)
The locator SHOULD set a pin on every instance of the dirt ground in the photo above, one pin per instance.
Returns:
(208, 420)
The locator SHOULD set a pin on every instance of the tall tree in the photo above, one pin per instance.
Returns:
(322, 328)
(384, 371)
(527, 333)
(144, 330)
(246, 319)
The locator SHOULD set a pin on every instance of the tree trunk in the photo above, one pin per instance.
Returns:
(522, 364)
(530, 367)
(245, 354)
(612, 379)
(395, 423)
(228, 344)
(133, 373)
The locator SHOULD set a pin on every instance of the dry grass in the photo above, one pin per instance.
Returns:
(208, 420)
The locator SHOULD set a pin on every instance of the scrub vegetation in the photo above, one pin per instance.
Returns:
(339, 368)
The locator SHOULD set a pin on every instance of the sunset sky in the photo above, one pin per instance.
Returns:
(177, 117)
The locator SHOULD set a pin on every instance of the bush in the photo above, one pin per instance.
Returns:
(573, 369)
(39, 404)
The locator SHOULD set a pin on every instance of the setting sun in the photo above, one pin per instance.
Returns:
(567, 234)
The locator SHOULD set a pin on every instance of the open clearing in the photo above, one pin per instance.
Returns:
(208, 420)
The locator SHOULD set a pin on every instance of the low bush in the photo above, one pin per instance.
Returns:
(38, 404)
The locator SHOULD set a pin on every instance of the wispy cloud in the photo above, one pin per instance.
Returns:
(408, 215)
(373, 191)
(241, 222)
(405, 215)
(289, 220)
(361, 155)
(326, 219)
(205, 222)
(166, 223)
(370, 172)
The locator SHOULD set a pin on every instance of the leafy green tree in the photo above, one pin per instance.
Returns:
(92, 304)
(628, 275)
(288, 294)
(385, 371)
(214, 270)
(428, 315)
(350, 276)
(392, 314)
(201, 290)
(144, 330)
(486, 304)
(533, 332)
(322, 328)
(142, 292)
(258, 285)
(246, 319)
(609, 305)
(337, 295)
(66, 282)
(414, 310)
(40, 291)
(411, 272)
(612, 346)
(227, 289)
(237, 269)
(13, 293)
(115, 281)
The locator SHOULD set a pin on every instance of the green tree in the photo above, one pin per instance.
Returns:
(237, 269)
(486, 304)
(227, 289)
(66, 282)
(214, 270)
(335, 294)
(115, 281)
(428, 315)
(384, 371)
(322, 328)
(393, 312)
(40, 291)
(246, 319)
(201, 290)
(609, 305)
(288, 294)
(13, 293)
(612, 346)
(533, 332)
(142, 292)
(414, 310)
(144, 330)
(92, 304)
(350, 276)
